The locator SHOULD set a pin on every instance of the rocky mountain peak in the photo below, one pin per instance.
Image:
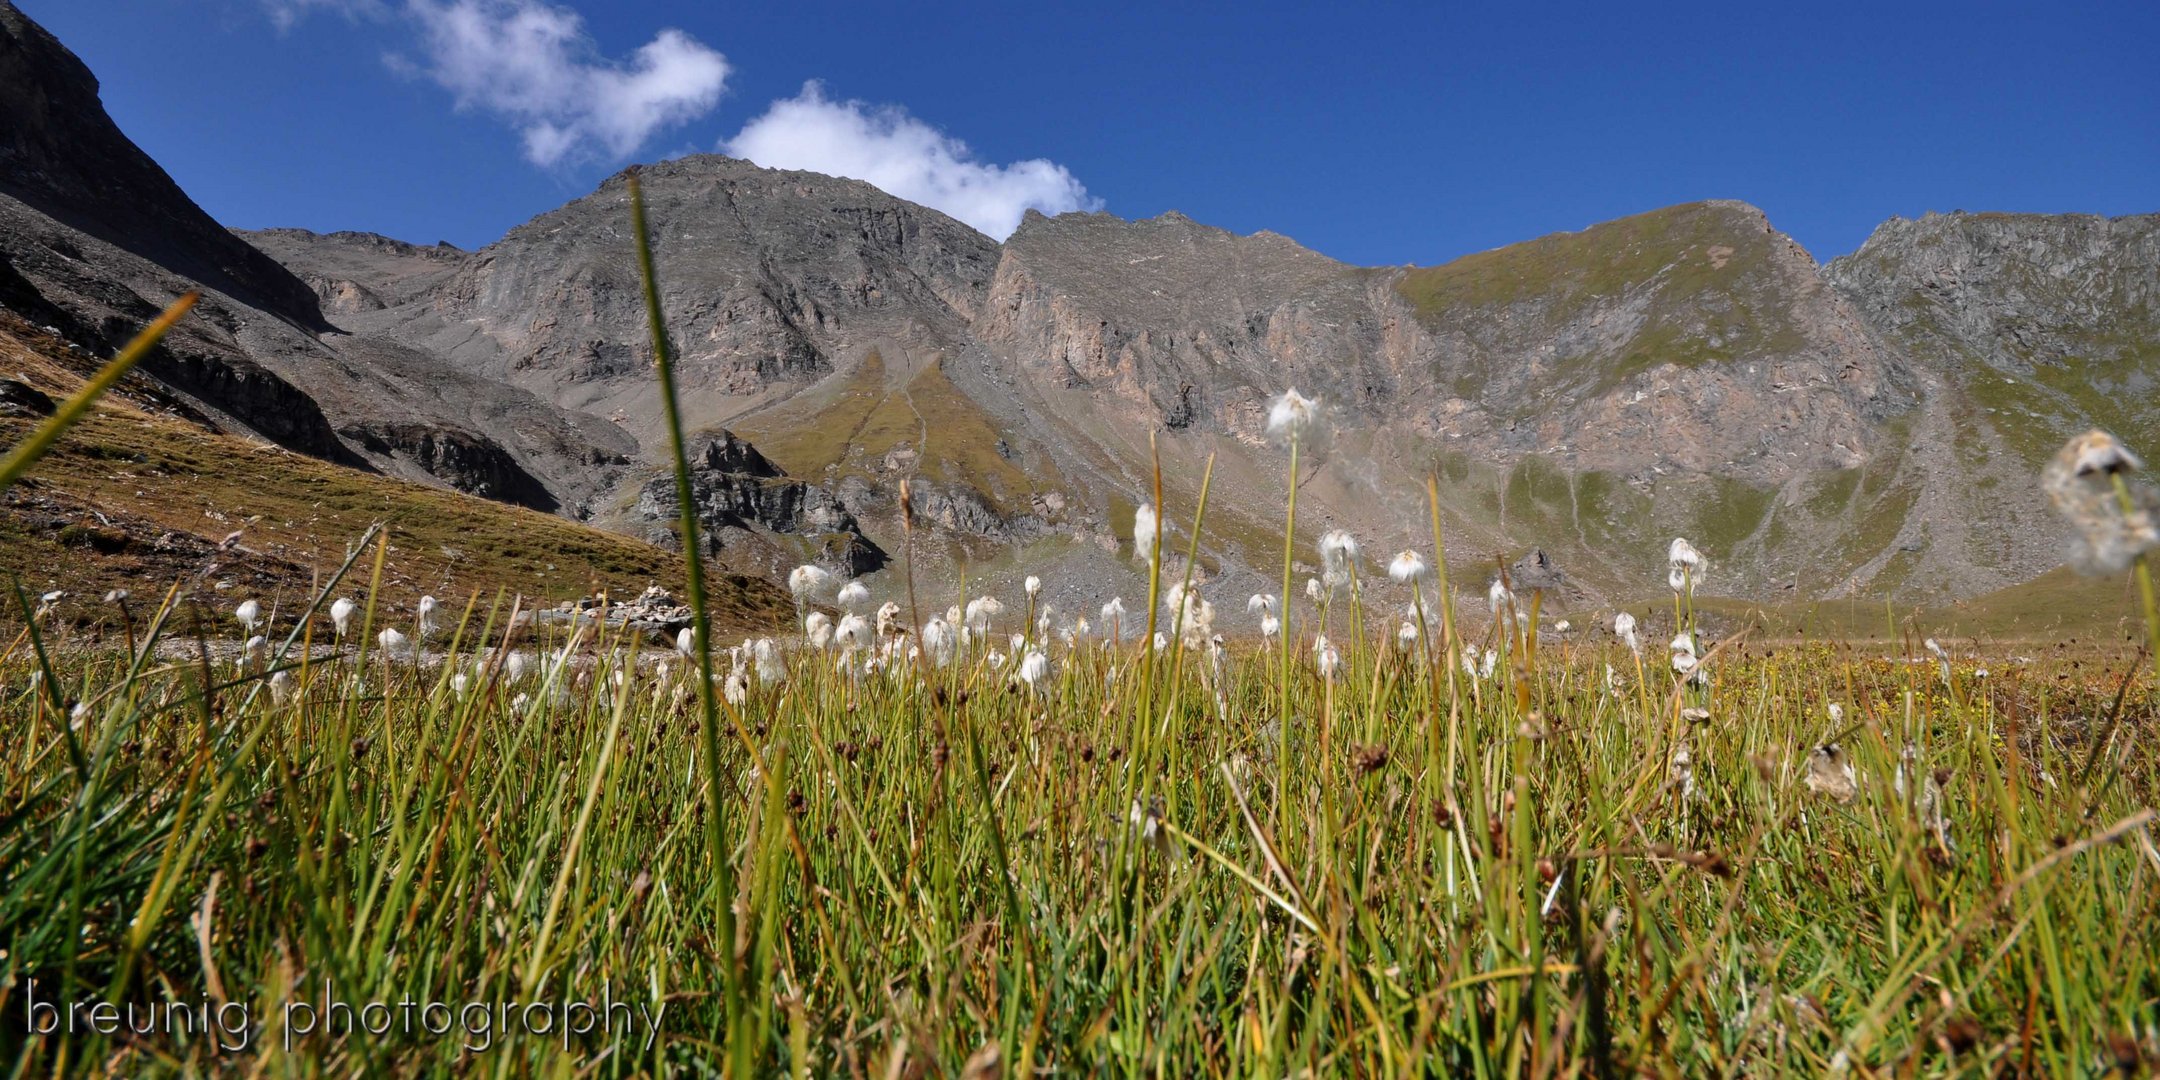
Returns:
(2012, 290)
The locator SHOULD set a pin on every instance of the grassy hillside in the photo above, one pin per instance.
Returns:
(137, 497)
(1700, 271)
(2057, 608)
(850, 428)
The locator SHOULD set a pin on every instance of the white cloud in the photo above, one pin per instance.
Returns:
(285, 14)
(906, 157)
(533, 64)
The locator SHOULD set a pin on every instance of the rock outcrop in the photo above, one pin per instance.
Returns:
(737, 494)
(460, 459)
(2012, 291)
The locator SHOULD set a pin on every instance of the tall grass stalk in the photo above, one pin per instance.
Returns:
(716, 842)
(1289, 633)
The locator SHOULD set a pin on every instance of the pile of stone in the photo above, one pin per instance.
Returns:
(655, 611)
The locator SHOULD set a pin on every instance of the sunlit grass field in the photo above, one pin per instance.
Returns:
(1117, 870)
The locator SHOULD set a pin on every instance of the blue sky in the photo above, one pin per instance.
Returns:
(1377, 134)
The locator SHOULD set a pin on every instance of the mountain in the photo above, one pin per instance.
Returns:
(1822, 431)
(2051, 323)
(95, 239)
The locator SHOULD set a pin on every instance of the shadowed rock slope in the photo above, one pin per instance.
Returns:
(141, 496)
(95, 239)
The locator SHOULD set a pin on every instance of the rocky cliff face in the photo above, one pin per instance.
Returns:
(1685, 370)
(1187, 325)
(2012, 291)
(352, 273)
(2048, 323)
(1696, 337)
(741, 499)
(2026, 329)
(768, 279)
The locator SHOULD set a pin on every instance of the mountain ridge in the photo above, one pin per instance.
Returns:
(1690, 370)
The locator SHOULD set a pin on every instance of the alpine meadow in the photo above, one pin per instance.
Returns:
(753, 622)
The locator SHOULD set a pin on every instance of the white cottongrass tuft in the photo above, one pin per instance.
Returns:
(341, 613)
(807, 582)
(853, 633)
(1334, 580)
(1314, 591)
(395, 644)
(249, 613)
(1685, 659)
(1270, 626)
(771, 665)
(1190, 615)
(1034, 668)
(888, 621)
(1623, 627)
(1409, 567)
(1685, 566)
(1326, 657)
(1942, 657)
(818, 629)
(2080, 483)
(980, 612)
(853, 593)
(686, 642)
(429, 622)
(1338, 552)
(1406, 636)
(1499, 597)
(1113, 614)
(1143, 532)
(939, 642)
(1260, 604)
(1680, 772)
(1293, 418)
(1033, 585)
(1830, 774)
